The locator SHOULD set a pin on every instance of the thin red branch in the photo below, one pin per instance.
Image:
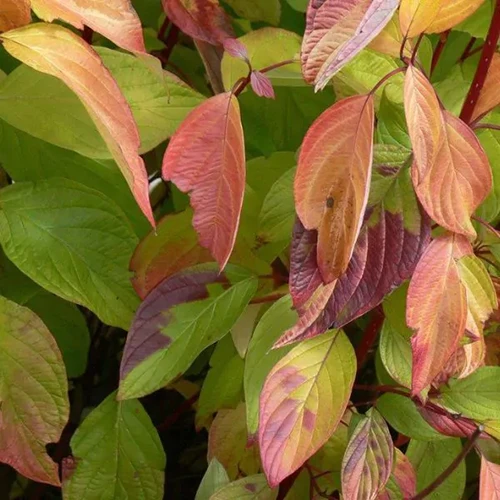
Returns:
(277, 65)
(471, 53)
(386, 77)
(87, 34)
(370, 335)
(163, 29)
(467, 51)
(415, 49)
(172, 37)
(268, 298)
(183, 408)
(449, 470)
(438, 50)
(483, 66)
(491, 126)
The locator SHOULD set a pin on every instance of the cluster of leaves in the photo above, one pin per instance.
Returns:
(283, 212)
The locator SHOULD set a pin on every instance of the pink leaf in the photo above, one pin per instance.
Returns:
(261, 85)
(489, 480)
(115, 19)
(206, 157)
(14, 13)
(235, 48)
(58, 52)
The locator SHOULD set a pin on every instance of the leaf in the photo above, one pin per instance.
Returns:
(200, 19)
(115, 19)
(451, 13)
(118, 454)
(436, 309)
(206, 157)
(261, 85)
(430, 459)
(286, 46)
(293, 423)
(214, 479)
(182, 316)
(336, 31)
(27, 158)
(261, 358)
(367, 463)
(390, 39)
(446, 423)
(82, 238)
(332, 180)
(227, 441)
(489, 97)
(402, 415)
(403, 481)
(451, 173)
(415, 16)
(476, 396)
(34, 400)
(268, 11)
(248, 488)
(489, 481)
(58, 52)
(14, 13)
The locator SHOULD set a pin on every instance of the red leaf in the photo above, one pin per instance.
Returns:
(367, 462)
(489, 480)
(333, 180)
(436, 308)
(14, 13)
(404, 477)
(206, 157)
(58, 52)
(490, 93)
(261, 85)
(337, 30)
(235, 48)
(200, 19)
(115, 19)
(451, 173)
(447, 424)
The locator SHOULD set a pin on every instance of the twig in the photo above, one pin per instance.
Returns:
(467, 50)
(439, 49)
(268, 298)
(473, 52)
(386, 77)
(491, 126)
(183, 408)
(370, 335)
(415, 49)
(448, 471)
(277, 65)
(163, 29)
(173, 36)
(483, 66)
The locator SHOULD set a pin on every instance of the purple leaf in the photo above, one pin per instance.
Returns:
(261, 85)
(235, 48)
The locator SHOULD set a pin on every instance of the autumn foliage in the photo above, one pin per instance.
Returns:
(250, 249)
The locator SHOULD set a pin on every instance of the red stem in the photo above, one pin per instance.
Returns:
(173, 36)
(483, 66)
(183, 408)
(467, 50)
(268, 298)
(370, 335)
(386, 77)
(439, 49)
(87, 34)
(163, 29)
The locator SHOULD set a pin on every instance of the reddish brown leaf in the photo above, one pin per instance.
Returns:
(367, 462)
(403, 478)
(489, 480)
(451, 173)
(200, 19)
(337, 30)
(490, 93)
(333, 178)
(115, 19)
(58, 52)
(436, 309)
(14, 13)
(446, 423)
(206, 157)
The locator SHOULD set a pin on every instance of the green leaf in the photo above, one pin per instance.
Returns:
(476, 396)
(430, 459)
(223, 385)
(29, 159)
(33, 393)
(285, 45)
(213, 480)
(118, 455)
(257, 10)
(33, 102)
(261, 358)
(402, 414)
(249, 488)
(149, 12)
(395, 353)
(157, 352)
(391, 124)
(82, 238)
(280, 124)
(15, 285)
(277, 217)
(478, 23)
(300, 5)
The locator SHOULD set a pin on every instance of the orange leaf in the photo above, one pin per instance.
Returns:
(203, 20)
(436, 309)
(206, 157)
(333, 180)
(490, 93)
(489, 480)
(451, 173)
(14, 13)
(451, 13)
(58, 52)
(415, 16)
(115, 19)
